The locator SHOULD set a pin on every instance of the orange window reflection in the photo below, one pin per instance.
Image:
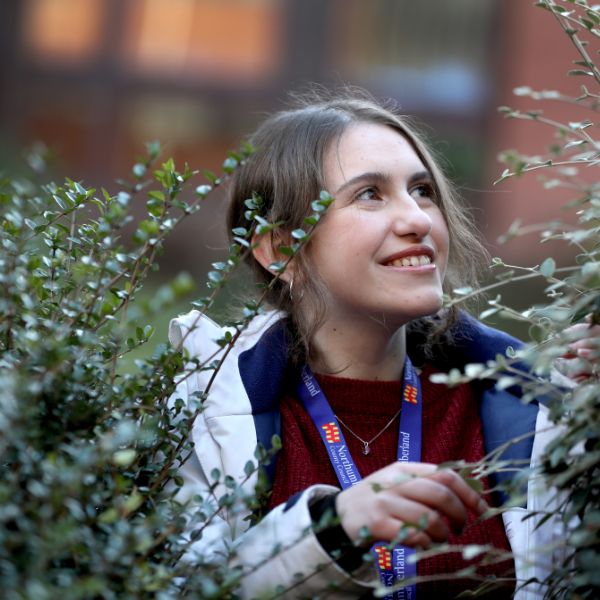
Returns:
(222, 39)
(63, 31)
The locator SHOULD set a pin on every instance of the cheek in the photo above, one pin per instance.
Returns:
(446, 260)
(441, 233)
(342, 232)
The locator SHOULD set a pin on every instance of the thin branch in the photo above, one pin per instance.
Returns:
(577, 42)
(498, 284)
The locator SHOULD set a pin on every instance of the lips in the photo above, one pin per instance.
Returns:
(418, 256)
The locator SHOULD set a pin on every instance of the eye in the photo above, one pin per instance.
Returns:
(368, 194)
(424, 190)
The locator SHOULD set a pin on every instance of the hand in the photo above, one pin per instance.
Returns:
(583, 358)
(405, 493)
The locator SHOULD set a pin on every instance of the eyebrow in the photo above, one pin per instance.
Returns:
(382, 178)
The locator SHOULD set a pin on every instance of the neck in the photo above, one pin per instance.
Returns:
(361, 350)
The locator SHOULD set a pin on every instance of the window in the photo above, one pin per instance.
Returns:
(219, 39)
(63, 31)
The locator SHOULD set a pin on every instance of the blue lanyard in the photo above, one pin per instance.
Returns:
(392, 565)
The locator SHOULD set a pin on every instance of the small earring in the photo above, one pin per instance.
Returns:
(292, 289)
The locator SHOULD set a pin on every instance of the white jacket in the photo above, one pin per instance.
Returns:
(225, 438)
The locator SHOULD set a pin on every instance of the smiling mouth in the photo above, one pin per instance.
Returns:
(419, 260)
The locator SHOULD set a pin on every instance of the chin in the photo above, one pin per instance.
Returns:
(408, 313)
(426, 307)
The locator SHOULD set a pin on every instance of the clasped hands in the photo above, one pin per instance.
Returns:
(430, 500)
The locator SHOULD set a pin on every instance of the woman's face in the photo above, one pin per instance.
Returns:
(382, 248)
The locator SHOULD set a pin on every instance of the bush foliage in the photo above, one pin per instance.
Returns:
(571, 462)
(89, 444)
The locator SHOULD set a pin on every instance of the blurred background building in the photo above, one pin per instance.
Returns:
(96, 79)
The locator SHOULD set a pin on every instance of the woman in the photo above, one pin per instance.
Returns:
(340, 370)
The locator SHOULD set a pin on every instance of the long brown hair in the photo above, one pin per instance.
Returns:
(286, 171)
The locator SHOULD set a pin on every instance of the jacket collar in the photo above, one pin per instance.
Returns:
(264, 367)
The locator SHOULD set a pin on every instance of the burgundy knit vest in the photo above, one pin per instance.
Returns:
(451, 431)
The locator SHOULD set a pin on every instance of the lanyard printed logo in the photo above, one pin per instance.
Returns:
(384, 557)
(332, 432)
(410, 394)
(393, 565)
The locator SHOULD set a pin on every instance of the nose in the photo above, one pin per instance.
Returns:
(410, 219)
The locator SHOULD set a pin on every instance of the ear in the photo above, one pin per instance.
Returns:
(265, 251)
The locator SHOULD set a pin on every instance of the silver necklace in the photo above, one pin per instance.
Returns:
(366, 444)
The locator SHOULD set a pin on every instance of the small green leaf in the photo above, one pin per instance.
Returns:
(277, 267)
(214, 180)
(133, 502)
(548, 267)
(153, 149)
(139, 170)
(587, 23)
(123, 458)
(489, 312)
(472, 550)
(109, 516)
(506, 381)
(203, 190)
(156, 195)
(473, 370)
(474, 484)
(215, 276)
(326, 198)
(230, 164)
(522, 91)
(463, 291)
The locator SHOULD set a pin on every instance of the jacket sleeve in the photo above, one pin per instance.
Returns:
(536, 540)
(300, 564)
(279, 553)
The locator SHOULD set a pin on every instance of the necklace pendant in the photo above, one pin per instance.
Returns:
(366, 449)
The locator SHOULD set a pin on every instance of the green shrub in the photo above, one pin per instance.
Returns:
(571, 462)
(90, 446)
(87, 447)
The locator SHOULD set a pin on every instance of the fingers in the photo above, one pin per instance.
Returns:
(394, 512)
(587, 348)
(447, 493)
(440, 498)
(583, 356)
(419, 495)
(452, 485)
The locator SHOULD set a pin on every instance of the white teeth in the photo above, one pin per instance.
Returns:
(412, 261)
